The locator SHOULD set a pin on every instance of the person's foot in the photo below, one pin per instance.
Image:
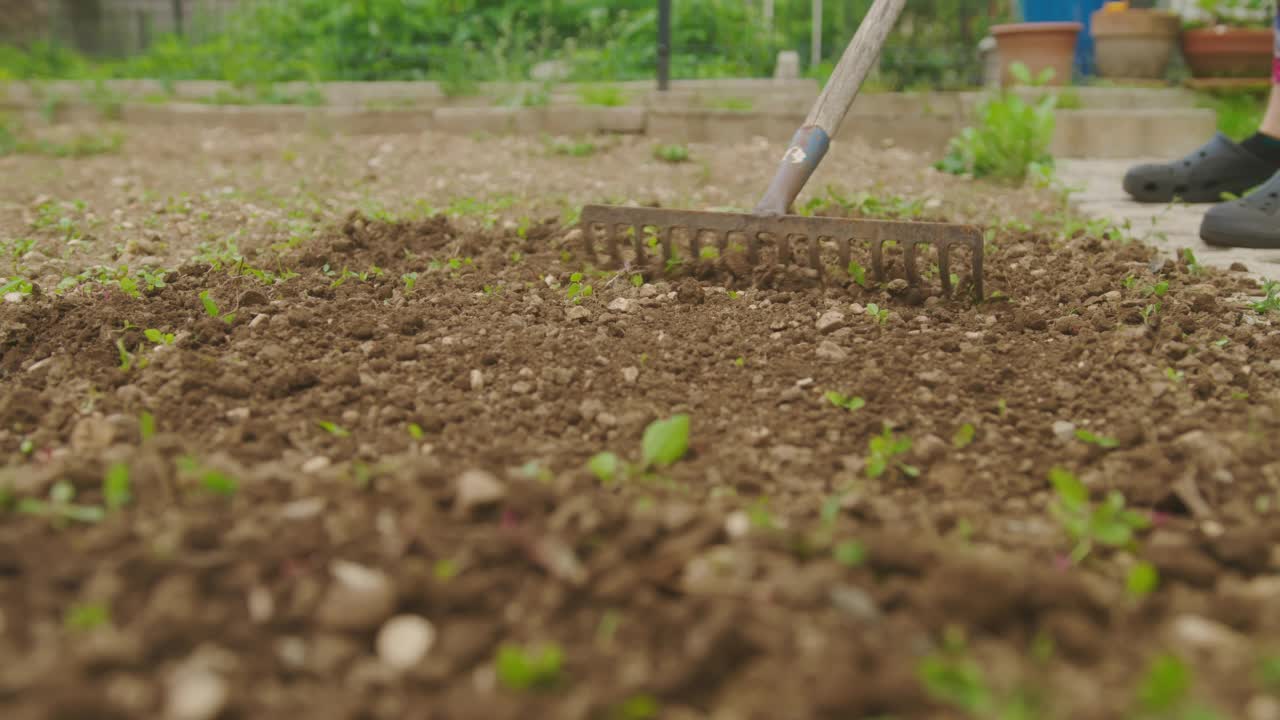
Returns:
(1220, 166)
(1250, 222)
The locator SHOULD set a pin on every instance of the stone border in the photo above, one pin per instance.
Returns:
(1115, 124)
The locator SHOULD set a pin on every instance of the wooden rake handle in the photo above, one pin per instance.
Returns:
(810, 142)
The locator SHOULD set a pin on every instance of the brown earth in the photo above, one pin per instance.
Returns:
(451, 485)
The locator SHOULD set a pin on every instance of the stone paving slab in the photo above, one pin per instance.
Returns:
(1167, 227)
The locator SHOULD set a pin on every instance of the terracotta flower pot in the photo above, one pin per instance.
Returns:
(1134, 44)
(1038, 46)
(1229, 52)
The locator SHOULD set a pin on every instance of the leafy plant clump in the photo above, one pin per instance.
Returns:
(212, 310)
(883, 452)
(848, 402)
(671, 153)
(1109, 524)
(529, 668)
(664, 443)
(1012, 137)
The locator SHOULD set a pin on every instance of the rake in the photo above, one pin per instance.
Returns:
(772, 231)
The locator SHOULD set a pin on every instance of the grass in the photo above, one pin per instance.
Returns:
(1088, 525)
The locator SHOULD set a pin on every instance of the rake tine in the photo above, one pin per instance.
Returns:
(784, 248)
(637, 244)
(977, 268)
(944, 268)
(589, 242)
(695, 243)
(664, 235)
(846, 252)
(815, 255)
(877, 259)
(614, 242)
(753, 248)
(909, 259)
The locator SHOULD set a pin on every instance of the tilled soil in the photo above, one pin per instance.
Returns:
(334, 454)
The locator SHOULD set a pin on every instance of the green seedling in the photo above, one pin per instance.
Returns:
(416, 432)
(850, 553)
(605, 466)
(1269, 672)
(739, 361)
(848, 402)
(86, 617)
(1193, 265)
(663, 444)
(671, 153)
(1222, 342)
(951, 678)
(116, 489)
(574, 149)
(733, 294)
(637, 280)
(157, 337)
(710, 252)
(881, 315)
(1272, 301)
(637, 707)
(1159, 289)
(212, 310)
(761, 517)
(577, 291)
(1142, 580)
(1109, 524)
(1177, 376)
(1165, 692)
(665, 441)
(1129, 282)
(212, 481)
(1091, 438)
(444, 570)
(27, 446)
(410, 281)
(963, 437)
(1147, 312)
(59, 507)
(146, 425)
(529, 668)
(882, 451)
(128, 360)
(333, 429)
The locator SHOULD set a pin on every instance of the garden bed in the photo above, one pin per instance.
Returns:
(406, 426)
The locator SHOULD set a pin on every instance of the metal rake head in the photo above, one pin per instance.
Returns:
(650, 234)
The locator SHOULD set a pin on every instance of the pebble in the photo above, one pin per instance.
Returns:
(315, 464)
(828, 350)
(522, 387)
(196, 694)
(830, 321)
(577, 312)
(359, 598)
(1199, 633)
(261, 605)
(477, 488)
(648, 291)
(854, 602)
(302, 509)
(404, 640)
(622, 305)
(1064, 431)
(477, 380)
(259, 319)
(238, 414)
(630, 374)
(737, 524)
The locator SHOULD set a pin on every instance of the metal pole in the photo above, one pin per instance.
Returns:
(815, 51)
(664, 45)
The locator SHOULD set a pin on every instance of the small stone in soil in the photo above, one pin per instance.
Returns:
(359, 598)
(477, 380)
(831, 351)
(404, 640)
(477, 488)
(577, 312)
(195, 694)
(630, 374)
(830, 321)
(1063, 430)
(622, 305)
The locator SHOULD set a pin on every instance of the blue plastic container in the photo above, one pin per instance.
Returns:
(1067, 11)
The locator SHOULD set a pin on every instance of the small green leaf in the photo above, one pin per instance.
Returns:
(964, 436)
(146, 425)
(116, 487)
(1091, 438)
(154, 335)
(1068, 487)
(219, 483)
(604, 466)
(1142, 580)
(665, 441)
(86, 617)
(333, 429)
(415, 431)
(850, 553)
(210, 307)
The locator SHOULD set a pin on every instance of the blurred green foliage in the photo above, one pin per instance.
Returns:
(462, 42)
